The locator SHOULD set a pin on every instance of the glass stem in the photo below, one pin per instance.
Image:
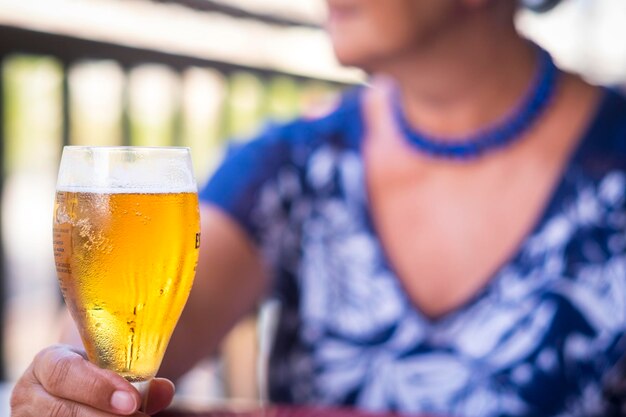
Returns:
(144, 388)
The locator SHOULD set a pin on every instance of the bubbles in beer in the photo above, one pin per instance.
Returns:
(129, 274)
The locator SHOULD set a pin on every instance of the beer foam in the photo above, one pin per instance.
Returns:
(126, 170)
(124, 190)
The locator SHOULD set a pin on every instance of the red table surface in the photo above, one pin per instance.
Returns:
(279, 411)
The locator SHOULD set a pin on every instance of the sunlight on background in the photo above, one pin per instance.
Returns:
(167, 27)
(200, 107)
(94, 101)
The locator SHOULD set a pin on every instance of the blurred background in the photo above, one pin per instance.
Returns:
(195, 73)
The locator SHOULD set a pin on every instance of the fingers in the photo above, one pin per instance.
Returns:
(38, 402)
(64, 383)
(160, 396)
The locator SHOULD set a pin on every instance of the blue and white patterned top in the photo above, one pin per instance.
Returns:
(537, 341)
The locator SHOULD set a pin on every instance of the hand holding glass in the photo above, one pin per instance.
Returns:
(126, 238)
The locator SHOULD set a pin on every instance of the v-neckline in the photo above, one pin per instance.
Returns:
(547, 211)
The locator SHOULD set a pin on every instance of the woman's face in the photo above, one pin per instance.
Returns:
(369, 33)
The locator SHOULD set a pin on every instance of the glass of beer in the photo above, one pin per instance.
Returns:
(126, 237)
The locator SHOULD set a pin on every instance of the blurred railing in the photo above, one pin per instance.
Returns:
(57, 89)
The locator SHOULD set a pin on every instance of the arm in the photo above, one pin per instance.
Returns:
(230, 281)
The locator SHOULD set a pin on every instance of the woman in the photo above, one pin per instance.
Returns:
(450, 240)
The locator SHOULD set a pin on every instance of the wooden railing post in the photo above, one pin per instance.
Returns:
(66, 105)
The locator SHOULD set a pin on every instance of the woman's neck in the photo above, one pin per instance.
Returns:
(469, 77)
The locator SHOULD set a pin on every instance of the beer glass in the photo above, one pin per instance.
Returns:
(126, 238)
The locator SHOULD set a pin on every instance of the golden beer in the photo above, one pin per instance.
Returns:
(126, 263)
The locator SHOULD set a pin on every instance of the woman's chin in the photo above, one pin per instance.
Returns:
(352, 58)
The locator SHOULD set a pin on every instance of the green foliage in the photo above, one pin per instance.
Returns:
(32, 111)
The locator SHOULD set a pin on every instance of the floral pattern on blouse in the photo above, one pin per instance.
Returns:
(538, 340)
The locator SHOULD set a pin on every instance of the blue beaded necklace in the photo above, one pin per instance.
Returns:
(498, 135)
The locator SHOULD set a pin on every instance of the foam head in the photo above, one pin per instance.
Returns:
(126, 169)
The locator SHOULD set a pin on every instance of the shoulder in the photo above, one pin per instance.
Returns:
(599, 174)
(607, 133)
(290, 146)
(602, 154)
